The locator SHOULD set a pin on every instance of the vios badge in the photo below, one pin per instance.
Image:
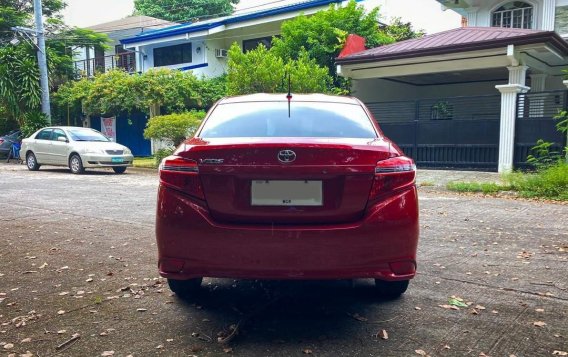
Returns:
(286, 156)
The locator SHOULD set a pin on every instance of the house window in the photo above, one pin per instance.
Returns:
(515, 14)
(171, 55)
(252, 44)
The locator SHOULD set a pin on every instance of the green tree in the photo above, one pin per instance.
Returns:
(19, 78)
(323, 34)
(261, 70)
(184, 10)
(20, 13)
(19, 84)
(401, 31)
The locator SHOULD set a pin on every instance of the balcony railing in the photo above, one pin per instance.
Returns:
(90, 67)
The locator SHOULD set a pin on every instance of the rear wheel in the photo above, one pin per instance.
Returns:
(391, 289)
(31, 162)
(76, 164)
(185, 288)
(119, 170)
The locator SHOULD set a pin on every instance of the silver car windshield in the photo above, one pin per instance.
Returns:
(81, 134)
(271, 119)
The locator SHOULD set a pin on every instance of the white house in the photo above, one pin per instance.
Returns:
(88, 60)
(202, 46)
(477, 96)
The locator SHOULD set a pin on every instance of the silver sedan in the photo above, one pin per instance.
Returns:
(74, 147)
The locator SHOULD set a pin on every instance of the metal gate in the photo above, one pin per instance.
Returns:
(453, 132)
(535, 120)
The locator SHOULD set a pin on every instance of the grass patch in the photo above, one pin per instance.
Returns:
(426, 184)
(549, 183)
(484, 187)
(145, 162)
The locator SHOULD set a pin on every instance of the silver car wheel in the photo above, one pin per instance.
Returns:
(31, 162)
(75, 164)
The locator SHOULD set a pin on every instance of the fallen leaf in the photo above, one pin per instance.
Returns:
(141, 310)
(539, 323)
(449, 307)
(60, 332)
(559, 353)
(539, 310)
(26, 340)
(479, 307)
(107, 353)
(383, 334)
(228, 350)
(8, 346)
(456, 302)
(420, 352)
(307, 351)
(417, 308)
(446, 347)
(60, 312)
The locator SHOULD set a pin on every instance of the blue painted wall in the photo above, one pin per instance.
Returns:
(129, 134)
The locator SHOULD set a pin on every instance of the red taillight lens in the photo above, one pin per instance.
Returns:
(181, 174)
(392, 174)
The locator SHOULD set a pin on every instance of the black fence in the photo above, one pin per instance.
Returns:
(89, 67)
(453, 132)
(536, 114)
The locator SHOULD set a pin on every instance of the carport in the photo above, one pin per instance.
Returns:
(469, 97)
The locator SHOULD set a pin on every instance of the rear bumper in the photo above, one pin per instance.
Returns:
(382, 245)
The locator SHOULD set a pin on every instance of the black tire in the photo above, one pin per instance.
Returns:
(76, 164)
(119, 169)
(391, 289)
(31, 162)
(185, 288)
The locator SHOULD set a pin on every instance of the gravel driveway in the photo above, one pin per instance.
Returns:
(78, 277)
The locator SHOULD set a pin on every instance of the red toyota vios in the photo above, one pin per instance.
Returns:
(288, 187)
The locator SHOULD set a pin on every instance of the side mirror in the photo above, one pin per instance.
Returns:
(63, 139)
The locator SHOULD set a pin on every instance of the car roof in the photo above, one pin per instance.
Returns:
(281, 97)
(65, 127)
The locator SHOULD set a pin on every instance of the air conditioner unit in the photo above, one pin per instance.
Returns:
(220, 53)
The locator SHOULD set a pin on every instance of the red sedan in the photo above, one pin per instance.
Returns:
(288, 187)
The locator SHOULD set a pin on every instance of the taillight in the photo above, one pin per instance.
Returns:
(392, 174)
(181, 174)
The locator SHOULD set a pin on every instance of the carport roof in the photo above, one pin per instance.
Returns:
(457, 40)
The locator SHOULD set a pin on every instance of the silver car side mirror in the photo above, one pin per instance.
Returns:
(63, 139)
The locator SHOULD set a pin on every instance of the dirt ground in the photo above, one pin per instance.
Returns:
(78, 277)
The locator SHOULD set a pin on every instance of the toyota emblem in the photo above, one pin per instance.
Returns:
(286, 156)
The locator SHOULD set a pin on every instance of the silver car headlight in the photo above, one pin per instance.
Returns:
(127, 151)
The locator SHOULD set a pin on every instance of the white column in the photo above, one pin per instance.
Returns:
(538, 82)
(507, 128)
(517, 74)
(471, 16)
(517, 79)
(548, 15)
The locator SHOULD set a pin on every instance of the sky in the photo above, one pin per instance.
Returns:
(423, 14)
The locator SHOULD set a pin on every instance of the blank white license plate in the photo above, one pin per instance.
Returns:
(286, 193)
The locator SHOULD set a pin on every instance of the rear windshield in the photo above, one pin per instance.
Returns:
(270, 119)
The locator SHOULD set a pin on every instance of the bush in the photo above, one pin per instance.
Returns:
(173, 127)
(161, 154)
(32, 122)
